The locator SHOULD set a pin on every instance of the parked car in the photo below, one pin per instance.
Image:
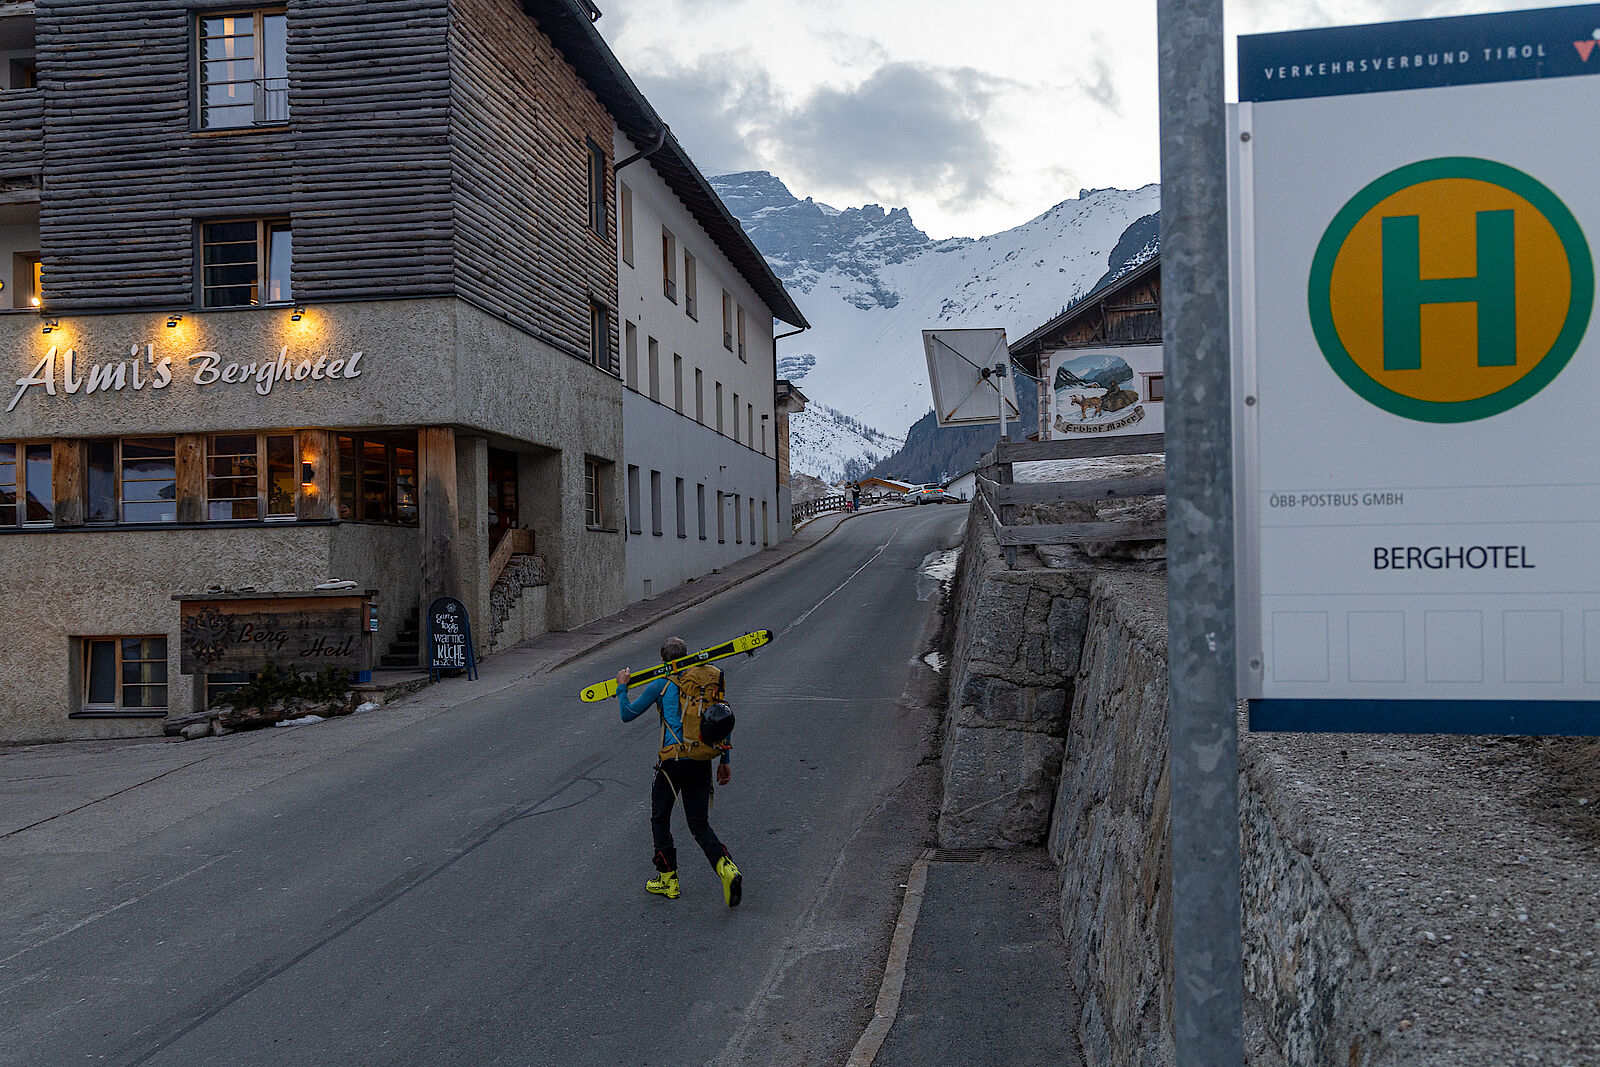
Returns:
(931, 495)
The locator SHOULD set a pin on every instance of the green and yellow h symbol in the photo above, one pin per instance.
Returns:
(1493, 289)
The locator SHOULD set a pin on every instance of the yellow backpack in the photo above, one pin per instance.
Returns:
(699, 687)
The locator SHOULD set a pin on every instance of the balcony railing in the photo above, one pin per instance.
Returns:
(272, 101)
(21, 134)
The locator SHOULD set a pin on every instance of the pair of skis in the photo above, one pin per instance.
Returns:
(745, 643)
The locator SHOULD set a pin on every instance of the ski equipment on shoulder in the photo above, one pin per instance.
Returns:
(746, 643)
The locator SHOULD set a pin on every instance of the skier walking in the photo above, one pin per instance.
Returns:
(684, 767)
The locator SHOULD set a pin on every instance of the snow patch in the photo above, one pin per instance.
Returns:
(941, 566)
(935, 660)
(304, 720)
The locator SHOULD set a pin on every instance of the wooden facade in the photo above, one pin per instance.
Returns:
(1125, 311)
(432, 148)
(524, 247)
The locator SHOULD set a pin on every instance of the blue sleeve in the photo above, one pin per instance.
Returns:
(650, 694)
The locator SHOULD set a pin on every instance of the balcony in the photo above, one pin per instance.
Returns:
(20, 276)
(21, 144)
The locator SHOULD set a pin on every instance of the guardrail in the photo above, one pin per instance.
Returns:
(999, 494)
(812, 508)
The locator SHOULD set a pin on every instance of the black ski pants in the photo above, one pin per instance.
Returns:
(690, 779)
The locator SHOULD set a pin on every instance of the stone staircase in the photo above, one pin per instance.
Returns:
(405, 651)
(523, 571)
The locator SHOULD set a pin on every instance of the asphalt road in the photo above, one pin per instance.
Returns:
(470, 889)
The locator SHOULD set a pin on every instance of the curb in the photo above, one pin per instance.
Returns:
(894, 971)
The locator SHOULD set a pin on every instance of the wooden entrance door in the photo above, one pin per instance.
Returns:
(502, 494)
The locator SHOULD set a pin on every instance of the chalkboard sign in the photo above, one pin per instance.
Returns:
(450, 638)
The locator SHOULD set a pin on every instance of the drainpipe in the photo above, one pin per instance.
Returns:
(661, 139)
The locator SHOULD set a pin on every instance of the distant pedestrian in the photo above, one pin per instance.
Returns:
(684, 767)
(855, 497)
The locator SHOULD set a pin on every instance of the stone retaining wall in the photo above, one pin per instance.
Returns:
(1406, 900)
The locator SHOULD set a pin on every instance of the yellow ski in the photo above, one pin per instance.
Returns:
(748, 643)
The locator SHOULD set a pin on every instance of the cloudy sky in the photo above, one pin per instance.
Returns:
(976, 116)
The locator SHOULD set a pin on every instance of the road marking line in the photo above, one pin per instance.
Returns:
(894, 972)
(842, 584)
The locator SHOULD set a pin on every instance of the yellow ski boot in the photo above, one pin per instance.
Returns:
(732, 881)
(665, 884)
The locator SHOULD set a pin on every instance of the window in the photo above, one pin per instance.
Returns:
(750, 425)
(630, 344)
(655, 370)
(719, 407)
(149, 479)
(669, 265)
(231, 478)
(699, 397)
(727, 321)
(220, 682)
(100, 463)
(683, 517)
(741, 334)
(8, 483)
(27, 488)
(125, 674)
(735, 416)
(721, 529)
(625, 222)
(251, 476)
(243, 69)
(689, 286)
(677, 382)
(236, 256)
(656, 508)
(763, 437)
(593, 509)
(738, 522)
(597, 187)
(27, 276)
(599, 335)
(635, 507)
(378, 477)
(766, 535)
(750, 501)
(700, 507)
(1155, 387)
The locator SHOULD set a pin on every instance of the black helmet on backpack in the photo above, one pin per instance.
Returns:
(716, 724)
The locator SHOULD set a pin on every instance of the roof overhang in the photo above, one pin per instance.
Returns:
(1026, 352)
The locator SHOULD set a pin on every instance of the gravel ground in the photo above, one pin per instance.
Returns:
(1470, 870)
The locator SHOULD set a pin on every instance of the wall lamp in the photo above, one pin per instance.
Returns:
(50, 324)
(173, 319)
(308, 472)
(299, 313)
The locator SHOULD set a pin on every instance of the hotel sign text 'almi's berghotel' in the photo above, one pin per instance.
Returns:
(1417, 479)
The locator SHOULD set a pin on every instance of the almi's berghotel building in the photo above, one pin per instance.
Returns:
(308, 290)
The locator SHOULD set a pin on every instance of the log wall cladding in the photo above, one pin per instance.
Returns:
(524, 247)
(302, 633)
(432, 148)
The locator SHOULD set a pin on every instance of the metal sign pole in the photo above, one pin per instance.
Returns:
(1203, 744)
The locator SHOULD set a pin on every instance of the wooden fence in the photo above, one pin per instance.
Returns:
(812, 508)
(999, 494)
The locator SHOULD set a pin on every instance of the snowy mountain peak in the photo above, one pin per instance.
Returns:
(870, 281)
(810, 244)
